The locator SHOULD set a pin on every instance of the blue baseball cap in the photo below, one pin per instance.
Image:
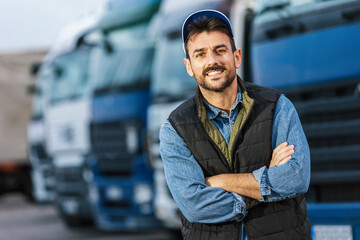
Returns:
(208, 13)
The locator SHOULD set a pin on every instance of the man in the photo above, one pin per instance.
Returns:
(235, 156)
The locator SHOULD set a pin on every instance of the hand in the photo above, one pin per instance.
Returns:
(281, 154)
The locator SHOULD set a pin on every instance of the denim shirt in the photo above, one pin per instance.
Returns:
(203, 204)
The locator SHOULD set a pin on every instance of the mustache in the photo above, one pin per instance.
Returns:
(214, 68)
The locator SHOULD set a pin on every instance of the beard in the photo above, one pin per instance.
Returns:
(201, 79)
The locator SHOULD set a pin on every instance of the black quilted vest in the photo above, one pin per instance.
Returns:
(251, 149)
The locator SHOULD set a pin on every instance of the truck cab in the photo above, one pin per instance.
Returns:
(310, 51)
(67, 120)
(121, 182)
(42, 174)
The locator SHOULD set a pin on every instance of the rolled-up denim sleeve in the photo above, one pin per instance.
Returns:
(197, 201)
(292, 178)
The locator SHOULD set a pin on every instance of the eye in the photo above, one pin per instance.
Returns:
(200, 54)
(221, 51)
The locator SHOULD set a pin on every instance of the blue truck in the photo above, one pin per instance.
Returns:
(120, 180)
(310, 51)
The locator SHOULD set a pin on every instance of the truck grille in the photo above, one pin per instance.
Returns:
(70, 174)
(110, 145)
(331, 121)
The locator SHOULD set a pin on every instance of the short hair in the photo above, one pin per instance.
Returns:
(208, 25)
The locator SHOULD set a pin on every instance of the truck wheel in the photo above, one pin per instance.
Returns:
(27, 186)
(72, 221)
(76, 221)
(28, 191)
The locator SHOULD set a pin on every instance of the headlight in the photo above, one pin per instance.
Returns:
(88, 176)
(93, 193)
(114, 193)
(142, 193)
(132, 139)
(152, 149)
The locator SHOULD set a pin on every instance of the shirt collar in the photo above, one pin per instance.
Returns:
(212, 112)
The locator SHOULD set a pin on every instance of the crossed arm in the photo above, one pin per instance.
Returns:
(245, 184)
(201, 203)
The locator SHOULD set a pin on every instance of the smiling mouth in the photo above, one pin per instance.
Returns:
(213, 73)
(214, 70)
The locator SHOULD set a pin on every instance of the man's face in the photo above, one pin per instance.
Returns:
(212, 61)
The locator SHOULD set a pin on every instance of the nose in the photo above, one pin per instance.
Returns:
(212, 58)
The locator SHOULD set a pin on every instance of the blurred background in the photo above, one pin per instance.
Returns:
(85, 86)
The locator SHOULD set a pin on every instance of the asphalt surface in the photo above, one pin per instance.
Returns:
(24, 220)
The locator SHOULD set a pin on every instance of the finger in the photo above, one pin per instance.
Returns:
(285, 160)
(285, 154)
(280, 156)
(282, 151)
(284, 144)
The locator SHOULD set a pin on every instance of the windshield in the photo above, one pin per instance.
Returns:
(266, 5)
(70, 76)
(129, 62)
(170, 79)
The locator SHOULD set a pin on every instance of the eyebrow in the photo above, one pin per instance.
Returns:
(220, 46)
(198, 50)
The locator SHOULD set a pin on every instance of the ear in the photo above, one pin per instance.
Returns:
(188, 67)
(237, 56)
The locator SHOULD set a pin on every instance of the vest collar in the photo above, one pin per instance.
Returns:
(212, 112)
(242, 95)
(212, 130)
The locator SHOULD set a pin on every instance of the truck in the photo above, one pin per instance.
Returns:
(67, 118)
(42, 171)
(120, 180)
(171, 85)
(310, 51)
(15, 111)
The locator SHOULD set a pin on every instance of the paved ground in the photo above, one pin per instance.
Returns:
(22, 220)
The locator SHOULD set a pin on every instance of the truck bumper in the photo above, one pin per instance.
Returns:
(115, 208)
(124, 203)
(334, 220)
(72, 197)
(43, 183)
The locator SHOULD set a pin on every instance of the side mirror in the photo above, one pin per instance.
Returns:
(34, 68)
(107, 46)
(58, 71)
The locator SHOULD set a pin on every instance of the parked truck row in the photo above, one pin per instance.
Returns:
(104, 91)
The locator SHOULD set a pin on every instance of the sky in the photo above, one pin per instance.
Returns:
(34, 24)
